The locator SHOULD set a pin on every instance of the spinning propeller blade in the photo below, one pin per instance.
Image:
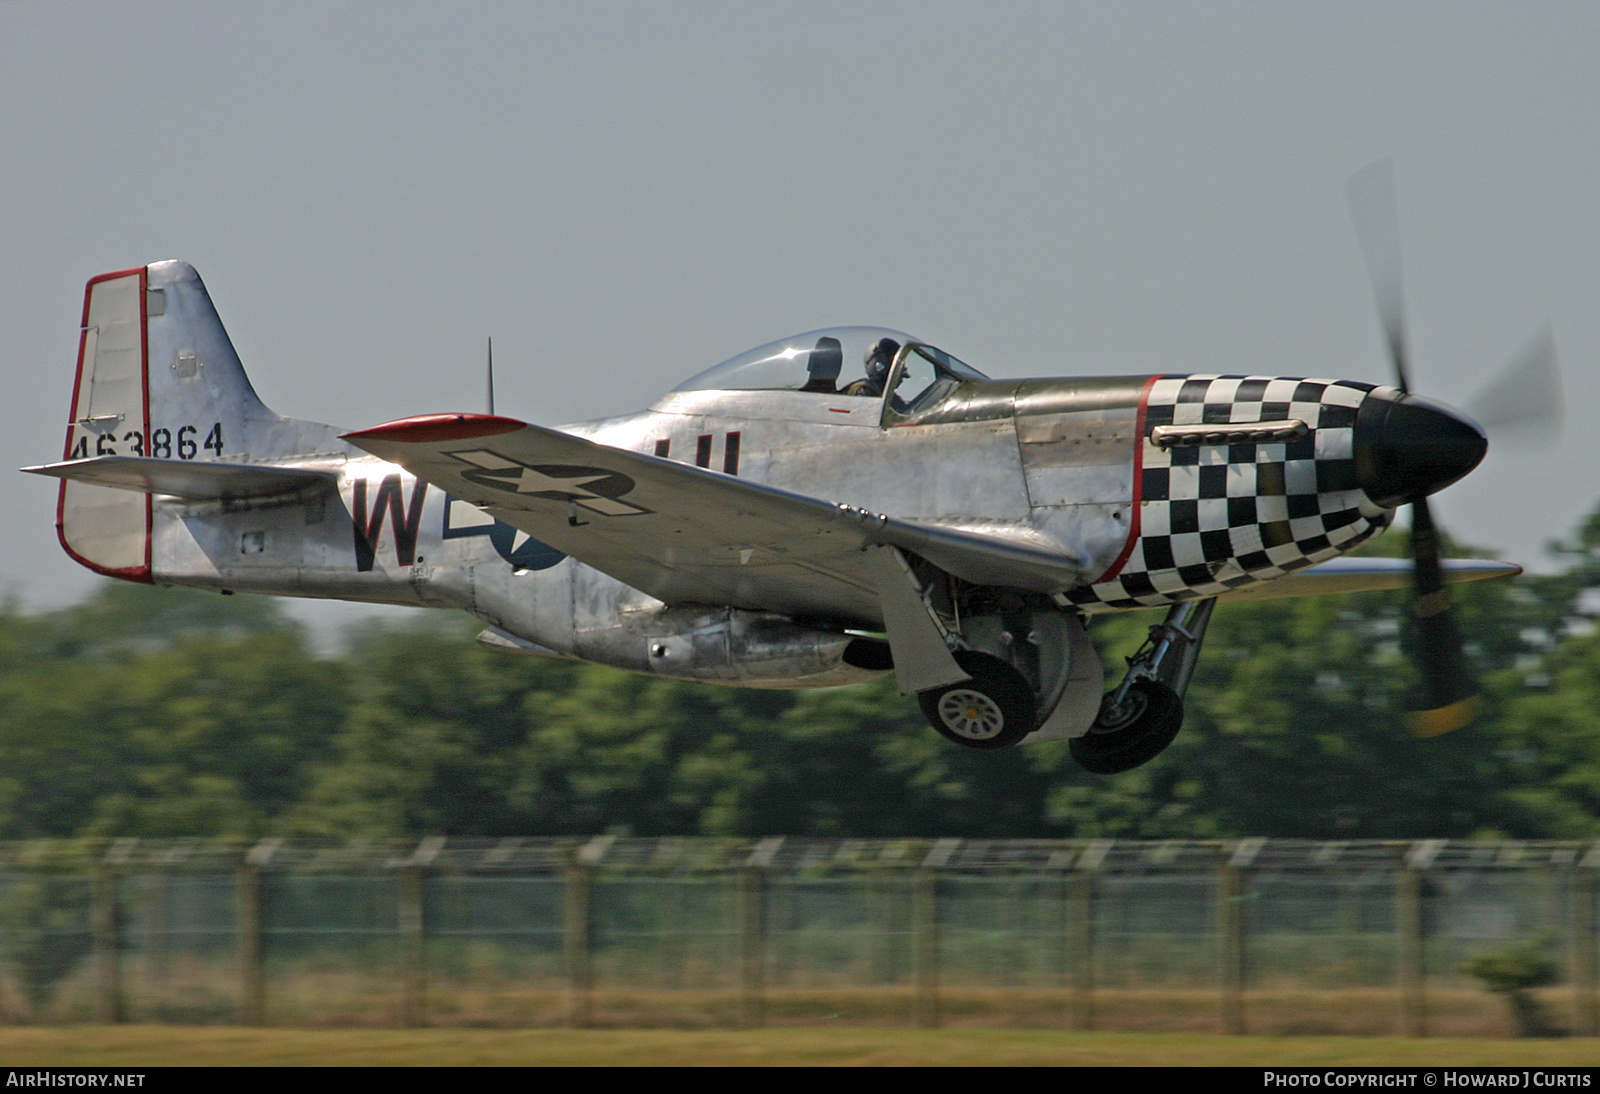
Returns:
(1432, 639)
(1422, 454)
(1370, 192)
(1523, 401)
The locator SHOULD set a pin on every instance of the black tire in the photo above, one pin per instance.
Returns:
(994, 709)
(1121, 740)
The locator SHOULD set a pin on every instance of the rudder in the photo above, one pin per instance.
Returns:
(158, 376)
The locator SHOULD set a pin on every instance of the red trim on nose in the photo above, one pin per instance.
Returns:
(1138, 487)
(430, 428)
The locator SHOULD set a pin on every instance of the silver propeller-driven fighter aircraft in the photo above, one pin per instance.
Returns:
(818, 511)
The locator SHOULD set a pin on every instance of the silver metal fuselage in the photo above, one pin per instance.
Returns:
(1050, 462)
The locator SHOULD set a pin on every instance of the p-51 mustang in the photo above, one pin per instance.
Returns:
(817, 511)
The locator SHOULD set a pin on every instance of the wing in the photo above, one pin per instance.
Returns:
(1361, 575)
(690, 535)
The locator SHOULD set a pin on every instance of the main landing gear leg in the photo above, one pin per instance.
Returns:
(1142, 715)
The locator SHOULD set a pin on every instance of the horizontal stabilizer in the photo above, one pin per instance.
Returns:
(193, 480)
(1364, 575)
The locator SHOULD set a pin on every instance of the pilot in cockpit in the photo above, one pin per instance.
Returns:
(880, 356)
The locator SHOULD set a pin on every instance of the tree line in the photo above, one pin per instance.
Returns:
(169, 712)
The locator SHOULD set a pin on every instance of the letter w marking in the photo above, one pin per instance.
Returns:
(403, 520)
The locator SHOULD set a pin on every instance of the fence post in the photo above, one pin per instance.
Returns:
(247, 924)
(1080, 947)
(577, 945)
(1080, 929)
(752, 916)
(1409, 929)
(888, 914)
(250, 927)
(925, 945)
(579, 932)
(1231, 930)
(413, 976)
(925, 931)
(158, 927)
(106, 944)
(1580, 919)
(412, 927)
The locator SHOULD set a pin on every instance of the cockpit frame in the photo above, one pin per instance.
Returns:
(945, 373)
(811, 363)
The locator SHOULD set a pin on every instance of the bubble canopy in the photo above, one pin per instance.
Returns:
(824, 361)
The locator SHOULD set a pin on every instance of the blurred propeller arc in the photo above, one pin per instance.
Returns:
(1418, 447)
(1523, 401)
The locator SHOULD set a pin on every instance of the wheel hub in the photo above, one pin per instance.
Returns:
(1114, 719)
(971, 714)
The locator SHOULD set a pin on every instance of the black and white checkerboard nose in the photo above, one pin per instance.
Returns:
(1407, 447)
(1221, 512)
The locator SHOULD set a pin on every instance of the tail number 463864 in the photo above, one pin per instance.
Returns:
(185, 443)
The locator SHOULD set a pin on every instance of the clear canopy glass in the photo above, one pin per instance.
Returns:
(832, 361)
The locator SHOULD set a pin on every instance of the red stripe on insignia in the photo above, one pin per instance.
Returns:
(427, 428)
(1138, 487)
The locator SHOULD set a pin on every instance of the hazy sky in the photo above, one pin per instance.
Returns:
(624, 194)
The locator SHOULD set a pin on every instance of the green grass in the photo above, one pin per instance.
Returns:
(155, 1046)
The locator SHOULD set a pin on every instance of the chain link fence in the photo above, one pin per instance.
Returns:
(1253, 935)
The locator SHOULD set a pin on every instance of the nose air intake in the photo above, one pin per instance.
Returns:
(1408, 447)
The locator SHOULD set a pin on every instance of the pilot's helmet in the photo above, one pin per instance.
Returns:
(880, 355)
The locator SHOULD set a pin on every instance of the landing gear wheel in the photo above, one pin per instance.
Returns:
(994, 709)
(1122, 738)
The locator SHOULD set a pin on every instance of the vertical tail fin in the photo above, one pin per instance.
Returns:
(158, 377)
